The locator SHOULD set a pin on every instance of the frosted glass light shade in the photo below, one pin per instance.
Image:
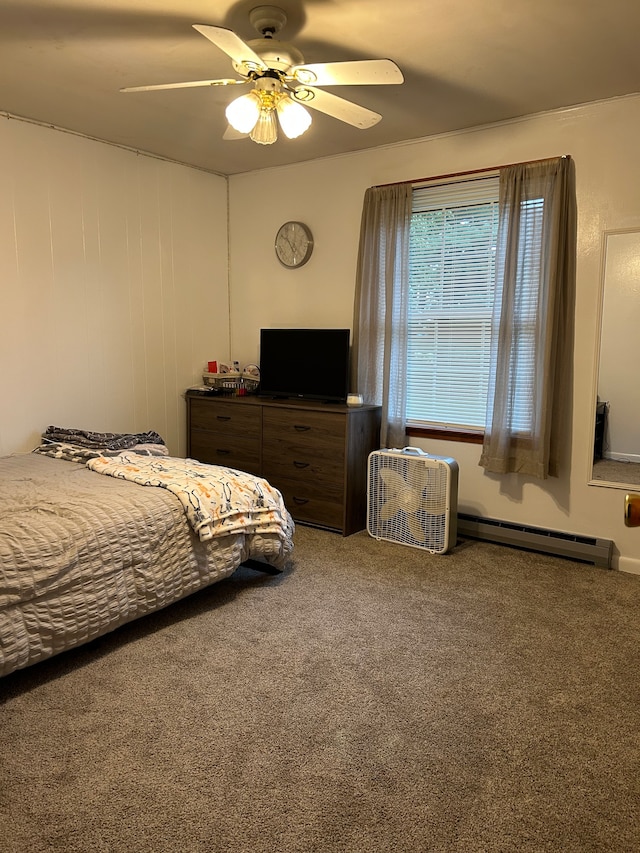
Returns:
(265, 131)
(243, 113)
(294, 119)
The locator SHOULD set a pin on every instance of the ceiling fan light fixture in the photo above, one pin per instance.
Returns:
(294, 119)
(265, 131)
(282, 82)
(243, 113)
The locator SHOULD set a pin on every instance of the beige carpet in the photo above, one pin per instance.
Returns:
(627, 473)
(372, 698)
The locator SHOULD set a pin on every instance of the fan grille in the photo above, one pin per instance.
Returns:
(411, 499)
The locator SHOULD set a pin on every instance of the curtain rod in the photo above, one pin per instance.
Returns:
(468, 172)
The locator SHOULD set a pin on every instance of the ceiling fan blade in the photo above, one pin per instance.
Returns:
(372, 72)
(233, 46)
(188, 85)
(339, 108)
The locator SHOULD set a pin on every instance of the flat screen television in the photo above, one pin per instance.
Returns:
(305, 363)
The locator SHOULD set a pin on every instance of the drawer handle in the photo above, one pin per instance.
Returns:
(223, 417)
(222, 452)
(300, 464)
(301, 427)
(300, 501)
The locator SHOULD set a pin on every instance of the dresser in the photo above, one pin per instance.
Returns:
(314, 453)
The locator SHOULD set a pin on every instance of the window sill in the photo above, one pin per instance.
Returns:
(447, 434)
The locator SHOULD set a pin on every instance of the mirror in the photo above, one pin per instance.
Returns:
(616, 449)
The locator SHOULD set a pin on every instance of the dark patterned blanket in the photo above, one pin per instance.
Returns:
(79, 445)
(101, 440)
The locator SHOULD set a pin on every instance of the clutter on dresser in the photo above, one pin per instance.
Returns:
(227, 378)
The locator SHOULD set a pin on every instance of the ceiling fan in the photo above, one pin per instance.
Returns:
(282, 84)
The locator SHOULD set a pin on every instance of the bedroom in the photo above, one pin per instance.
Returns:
(112, 290)
(122, 275)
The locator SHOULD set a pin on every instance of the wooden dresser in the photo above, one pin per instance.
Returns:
(314, 453)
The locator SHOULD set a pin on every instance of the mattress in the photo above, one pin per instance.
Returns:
(81, 554)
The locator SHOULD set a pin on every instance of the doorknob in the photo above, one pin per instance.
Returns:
(632, 510)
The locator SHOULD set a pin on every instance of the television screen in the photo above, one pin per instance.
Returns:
(308, 363)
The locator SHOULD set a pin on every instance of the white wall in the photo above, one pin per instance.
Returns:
(327, 195)
(113, 286)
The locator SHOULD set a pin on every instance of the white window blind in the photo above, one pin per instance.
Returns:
(526, 315)
(451, 293)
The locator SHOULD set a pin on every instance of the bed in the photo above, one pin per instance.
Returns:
(82, 553)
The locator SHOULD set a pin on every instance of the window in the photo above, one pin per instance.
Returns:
(452, 262)
(463, 313)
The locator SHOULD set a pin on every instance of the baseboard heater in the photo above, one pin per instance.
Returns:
(586, 548)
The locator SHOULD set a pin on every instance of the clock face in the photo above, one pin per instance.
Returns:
(294, 244)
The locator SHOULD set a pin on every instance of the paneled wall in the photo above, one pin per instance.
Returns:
(113, 286)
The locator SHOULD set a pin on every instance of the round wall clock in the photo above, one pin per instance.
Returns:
(294, 244)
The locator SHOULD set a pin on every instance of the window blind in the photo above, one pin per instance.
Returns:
(527, 314)
(451, 293)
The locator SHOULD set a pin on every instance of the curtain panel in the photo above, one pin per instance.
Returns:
(379, 352)
(527, 410)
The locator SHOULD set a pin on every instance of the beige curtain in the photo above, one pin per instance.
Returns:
(379, 353)
(527, 411)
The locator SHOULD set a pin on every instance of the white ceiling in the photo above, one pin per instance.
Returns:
(63, 62)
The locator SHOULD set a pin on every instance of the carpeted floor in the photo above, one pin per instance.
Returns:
(617, 472)
(371, 699)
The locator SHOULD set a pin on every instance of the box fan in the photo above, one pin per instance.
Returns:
(412, 498)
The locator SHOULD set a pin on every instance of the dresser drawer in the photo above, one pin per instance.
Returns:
(306, 502)
(305, 450)
(300, 466)
(317, 434)
(242, 453)
(226, 418)
(224, 433)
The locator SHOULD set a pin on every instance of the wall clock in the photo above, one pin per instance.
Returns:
(294, 244)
